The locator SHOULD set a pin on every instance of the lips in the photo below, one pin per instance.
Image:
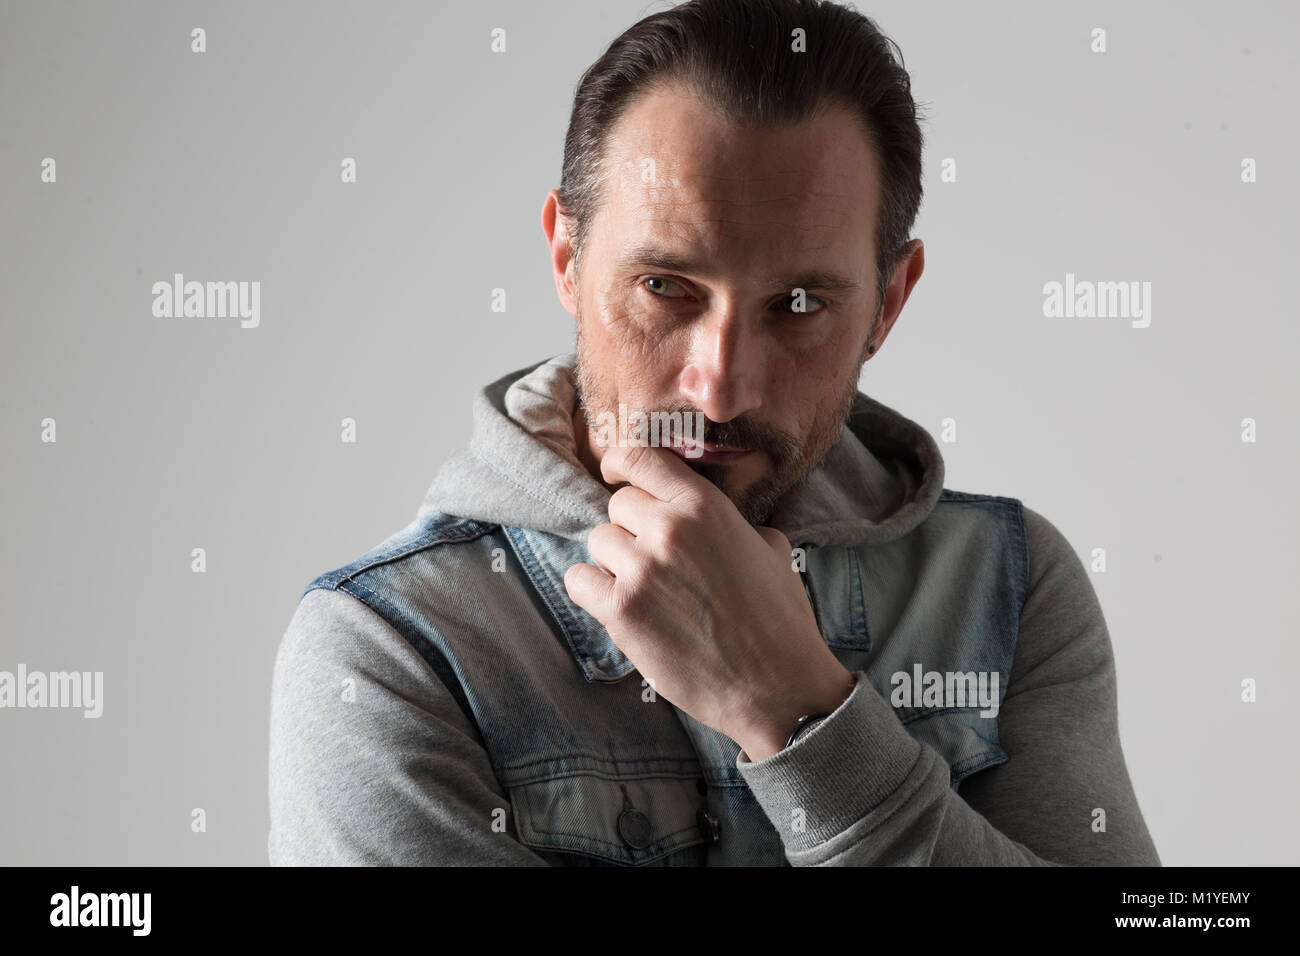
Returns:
(708, 453)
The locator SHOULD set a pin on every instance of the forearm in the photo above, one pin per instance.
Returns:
(858, 790)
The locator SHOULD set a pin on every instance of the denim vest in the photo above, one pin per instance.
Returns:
(601, 771)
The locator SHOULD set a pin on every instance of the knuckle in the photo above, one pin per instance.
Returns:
(601, 538)
(672, 534)
(629, 595)
(695, 507)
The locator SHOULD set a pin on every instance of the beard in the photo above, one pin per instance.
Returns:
(792, 458)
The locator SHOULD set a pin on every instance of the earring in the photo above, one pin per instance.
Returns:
(870, 349)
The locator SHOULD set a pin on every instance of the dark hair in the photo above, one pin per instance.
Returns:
(736, 54)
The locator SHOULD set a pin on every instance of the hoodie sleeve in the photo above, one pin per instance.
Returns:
(871, 794)
(371, 760)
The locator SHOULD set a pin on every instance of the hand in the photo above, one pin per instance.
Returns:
(707, 607)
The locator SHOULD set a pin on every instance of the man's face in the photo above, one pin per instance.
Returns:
(686, 290)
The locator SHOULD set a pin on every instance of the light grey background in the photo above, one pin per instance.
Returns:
(182, 433)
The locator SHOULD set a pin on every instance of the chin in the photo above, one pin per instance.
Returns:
(725, 477)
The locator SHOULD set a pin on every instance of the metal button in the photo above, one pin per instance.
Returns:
(710, 827)
(634, 827)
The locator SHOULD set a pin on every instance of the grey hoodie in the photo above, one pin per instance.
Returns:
(405, 769)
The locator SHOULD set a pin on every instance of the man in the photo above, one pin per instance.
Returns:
(778, 642)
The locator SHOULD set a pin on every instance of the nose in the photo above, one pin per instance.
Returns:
(724, 369)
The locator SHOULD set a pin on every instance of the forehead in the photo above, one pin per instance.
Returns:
(680, 174)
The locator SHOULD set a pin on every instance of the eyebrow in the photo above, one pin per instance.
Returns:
(656, 258)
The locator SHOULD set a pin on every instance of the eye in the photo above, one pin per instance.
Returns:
(811, 304)
(662, 282)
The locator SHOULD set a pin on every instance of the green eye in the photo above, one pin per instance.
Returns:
(662, 282)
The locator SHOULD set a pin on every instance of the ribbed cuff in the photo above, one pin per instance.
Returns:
(835, 774)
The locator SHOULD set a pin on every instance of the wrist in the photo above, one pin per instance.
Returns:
(773, 733)
(804, 725)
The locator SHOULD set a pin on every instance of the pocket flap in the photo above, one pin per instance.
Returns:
(622, 821)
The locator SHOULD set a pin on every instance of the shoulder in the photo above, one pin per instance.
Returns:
(1063, 633)
(349, 626)
(1050, 551)
(339, 665)
(1059, 582)
(430, 535)
(330, 629)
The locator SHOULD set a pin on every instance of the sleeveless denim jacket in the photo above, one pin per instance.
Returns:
(599, 770)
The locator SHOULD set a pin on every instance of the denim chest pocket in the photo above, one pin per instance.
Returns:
(596, 820)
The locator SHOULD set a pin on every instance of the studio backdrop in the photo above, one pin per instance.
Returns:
(366, 180)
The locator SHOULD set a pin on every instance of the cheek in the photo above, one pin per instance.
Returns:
(832, 366)
(617, 351)
(796, 403)
(639, 343)
(813, 385)
(621, 324)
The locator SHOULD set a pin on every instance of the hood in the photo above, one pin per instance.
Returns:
(521, 469)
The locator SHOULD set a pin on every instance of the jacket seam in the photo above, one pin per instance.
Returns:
(439, 663)
(429, 539)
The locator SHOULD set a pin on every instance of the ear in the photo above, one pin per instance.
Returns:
(907, 271)
(556, 226)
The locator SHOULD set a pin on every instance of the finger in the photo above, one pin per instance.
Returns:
(590, 588)
(656, 470)
(775, 540)
(612, 547)
(633, 509)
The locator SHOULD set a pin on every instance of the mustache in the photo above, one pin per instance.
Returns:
(744, 432)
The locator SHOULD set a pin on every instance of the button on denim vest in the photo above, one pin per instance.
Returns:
(601, 771)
